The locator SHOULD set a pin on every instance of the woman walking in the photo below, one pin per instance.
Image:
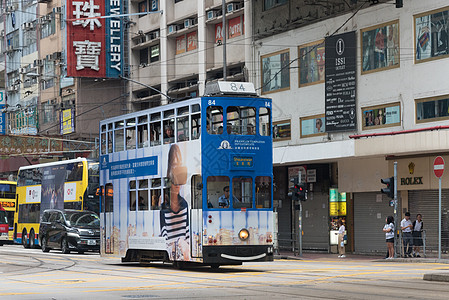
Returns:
(341, 241)
(389, 235)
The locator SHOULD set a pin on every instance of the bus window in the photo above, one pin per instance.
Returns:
(240, 120)
(183, 129)
(197, 192)
(130, 134)
(263, 192)
(264, 121)
(216, 197)
(168, 131)
(155, 133)
(143, 195)
(108, 197)
(155, 193)
(196, 126)
(132, 195)
(242, 192)
(215, 120)
(7, 191)
(118, 137)
(142, 132)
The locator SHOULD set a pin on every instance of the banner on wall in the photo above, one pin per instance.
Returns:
(94, 44)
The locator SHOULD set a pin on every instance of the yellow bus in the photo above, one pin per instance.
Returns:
(8, 202)
(68, 184)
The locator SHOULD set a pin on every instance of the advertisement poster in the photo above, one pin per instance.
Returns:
(53, 187)
(281, 130)
(431, 35)
(312, 126)
(380, 47)
(275, 72)
(389, 115)
(181, 44)
(340, 86)
(311, 63)
(192, 41)
(67, 121)
(234, 27)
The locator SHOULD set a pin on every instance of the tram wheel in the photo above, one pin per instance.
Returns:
(179, 265)
(25, 239)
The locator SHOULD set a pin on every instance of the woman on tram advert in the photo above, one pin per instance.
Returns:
(174, 213)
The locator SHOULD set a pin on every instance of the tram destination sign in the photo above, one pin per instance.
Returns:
(340, 86)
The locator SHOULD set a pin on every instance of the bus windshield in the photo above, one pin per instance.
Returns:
(3, 217)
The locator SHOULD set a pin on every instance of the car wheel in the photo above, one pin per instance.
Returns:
(32, 237)
(24, 239)
(44, 244)
(65, 246)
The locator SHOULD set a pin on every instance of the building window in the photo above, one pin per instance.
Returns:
(142, 8)
(143, 56)
(48, 78)
(49, 112)
(275, 72)
(311, 63)
(380, 47)
(47, 27)
(154, 53)
(268, 4)
(381, 116)
(312, 126)
(432, 109)
(281, 130)
(431, 35)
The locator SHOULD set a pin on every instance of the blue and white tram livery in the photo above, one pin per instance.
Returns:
(190, 181)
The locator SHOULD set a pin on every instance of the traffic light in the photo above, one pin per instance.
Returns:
(389, 190)
(399, 3)
(292, 191)
(302, 191)
(298, 191)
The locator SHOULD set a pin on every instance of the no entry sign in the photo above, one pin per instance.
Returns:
(438, 166)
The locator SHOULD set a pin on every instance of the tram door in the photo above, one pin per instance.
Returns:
(108, 211)
(196, 217)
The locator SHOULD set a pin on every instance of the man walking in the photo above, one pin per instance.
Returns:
(407, 237)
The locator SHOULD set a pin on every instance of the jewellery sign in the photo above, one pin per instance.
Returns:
(340, 83)
(94, 44)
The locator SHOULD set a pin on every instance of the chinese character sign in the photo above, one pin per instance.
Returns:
(67, 125)
(94, 44)
(2, 119)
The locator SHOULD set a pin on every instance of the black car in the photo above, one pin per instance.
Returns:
(69, 230)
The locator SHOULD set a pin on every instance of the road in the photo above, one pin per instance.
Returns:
(31, 274)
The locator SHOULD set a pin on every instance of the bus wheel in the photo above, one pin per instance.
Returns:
(44, 244)
(32, 241)
(25, 239)
(65, 246)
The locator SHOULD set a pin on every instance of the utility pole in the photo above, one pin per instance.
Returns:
(223, 30)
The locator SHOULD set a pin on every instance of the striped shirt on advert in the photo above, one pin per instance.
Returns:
(175, 225)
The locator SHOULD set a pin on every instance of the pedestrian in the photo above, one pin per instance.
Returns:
(417, 235)
(341, 241)
(389, 236)
(407, 237)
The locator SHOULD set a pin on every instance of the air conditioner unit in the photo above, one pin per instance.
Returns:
(188, 23)
(11, 8)
(172, 29)
(57, 10)
(38, 63)
(231, 7)
(22, 70)
(211, 14)
(23, 26)
(29, 25)
(13, 88)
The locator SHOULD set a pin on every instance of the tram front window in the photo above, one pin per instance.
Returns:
(263, 192)
(242, 190)
(216, 195)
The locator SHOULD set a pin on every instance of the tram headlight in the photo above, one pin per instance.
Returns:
(243, 234)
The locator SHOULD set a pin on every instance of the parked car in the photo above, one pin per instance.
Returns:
(69, 230)
(4, 226)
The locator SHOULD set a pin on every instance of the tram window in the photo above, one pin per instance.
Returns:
(197, 192)
(183, 111)
(142, 135)
(183, 129)
(142, 119)
(130, 138)
(196, 108)
(143, 195)
(241, 120)
(103, 143)
(215, 189)
(169, 113)
(264, 121)
(215, 120)
(110, 142)
(118, 137)
(168, 131)
(196, 126)
(242, 191)
(263, 191)
(155, 117)
(132, 195)
(156, 194)
(155, 133)
(108, 196)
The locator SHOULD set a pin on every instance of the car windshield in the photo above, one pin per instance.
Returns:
(82, 219)
(3, 217)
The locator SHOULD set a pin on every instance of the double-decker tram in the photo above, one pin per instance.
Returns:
(189, 181)
(8, 203)
(67, 184)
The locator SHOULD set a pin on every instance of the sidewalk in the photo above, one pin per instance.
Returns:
(442, 276)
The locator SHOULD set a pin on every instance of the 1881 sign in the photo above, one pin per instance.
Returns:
(341, 82)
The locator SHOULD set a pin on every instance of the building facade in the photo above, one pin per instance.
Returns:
(391, 106)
